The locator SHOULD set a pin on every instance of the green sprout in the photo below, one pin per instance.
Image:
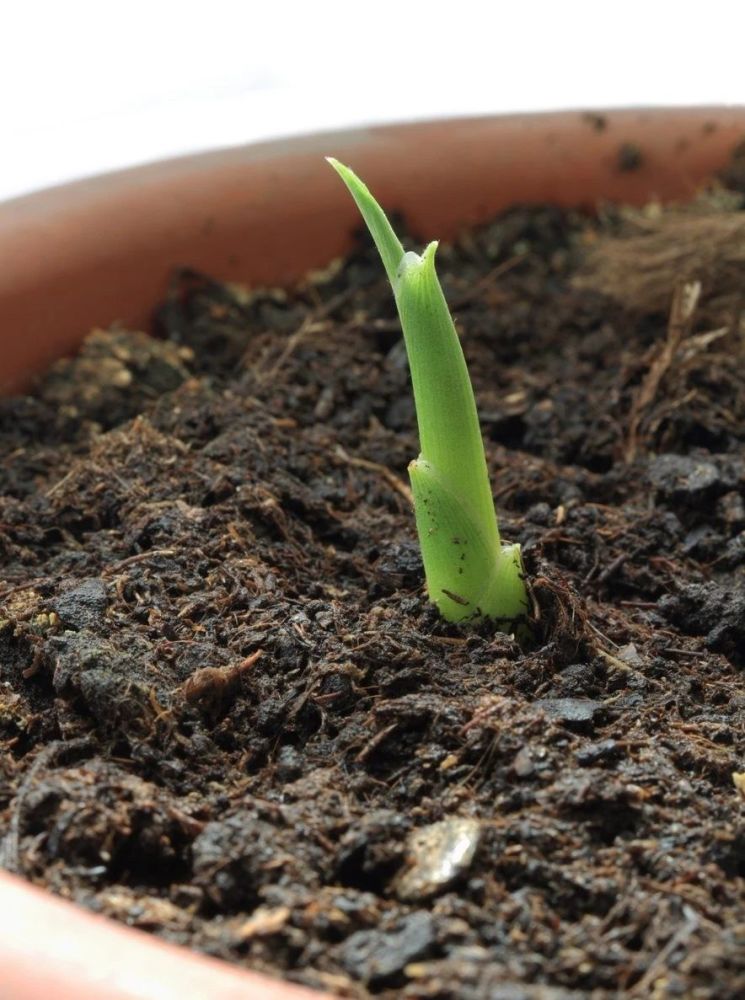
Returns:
(470, 574)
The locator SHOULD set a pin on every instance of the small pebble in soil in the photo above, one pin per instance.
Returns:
(576, 713)
(289, 763)
(602, 752)
(523, 764)
(681, 477)
(630, 654)
(688, 479)
(438, 854)
(377, 957)
(83, 605)
(710, 610)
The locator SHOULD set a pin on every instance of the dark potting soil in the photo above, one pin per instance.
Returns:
(228, 714)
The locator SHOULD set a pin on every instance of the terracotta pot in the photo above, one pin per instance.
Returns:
(90, 253)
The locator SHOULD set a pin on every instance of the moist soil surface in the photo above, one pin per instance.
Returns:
(228, 714)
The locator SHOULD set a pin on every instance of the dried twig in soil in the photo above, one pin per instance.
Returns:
(312, 323)
(137, 558)
(682, 310)
(659, 965)
(390, 477)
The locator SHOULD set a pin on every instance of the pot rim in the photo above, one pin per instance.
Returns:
(101, 250)
(97, 250)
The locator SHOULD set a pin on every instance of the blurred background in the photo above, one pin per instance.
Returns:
(88, 87)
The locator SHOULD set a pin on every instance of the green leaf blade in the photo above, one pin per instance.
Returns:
(388, 244)
(470, 575)
(449, 430)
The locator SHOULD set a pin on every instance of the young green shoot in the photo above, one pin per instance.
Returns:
(470, 574)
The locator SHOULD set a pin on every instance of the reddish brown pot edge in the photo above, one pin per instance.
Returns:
(92, 252)
(101, 250)
(51, 950)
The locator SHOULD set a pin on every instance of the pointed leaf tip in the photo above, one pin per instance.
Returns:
(388, 244)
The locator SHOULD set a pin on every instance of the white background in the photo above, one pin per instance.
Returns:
(92, 86)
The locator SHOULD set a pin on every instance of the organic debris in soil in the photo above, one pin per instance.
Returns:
(229, 715)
